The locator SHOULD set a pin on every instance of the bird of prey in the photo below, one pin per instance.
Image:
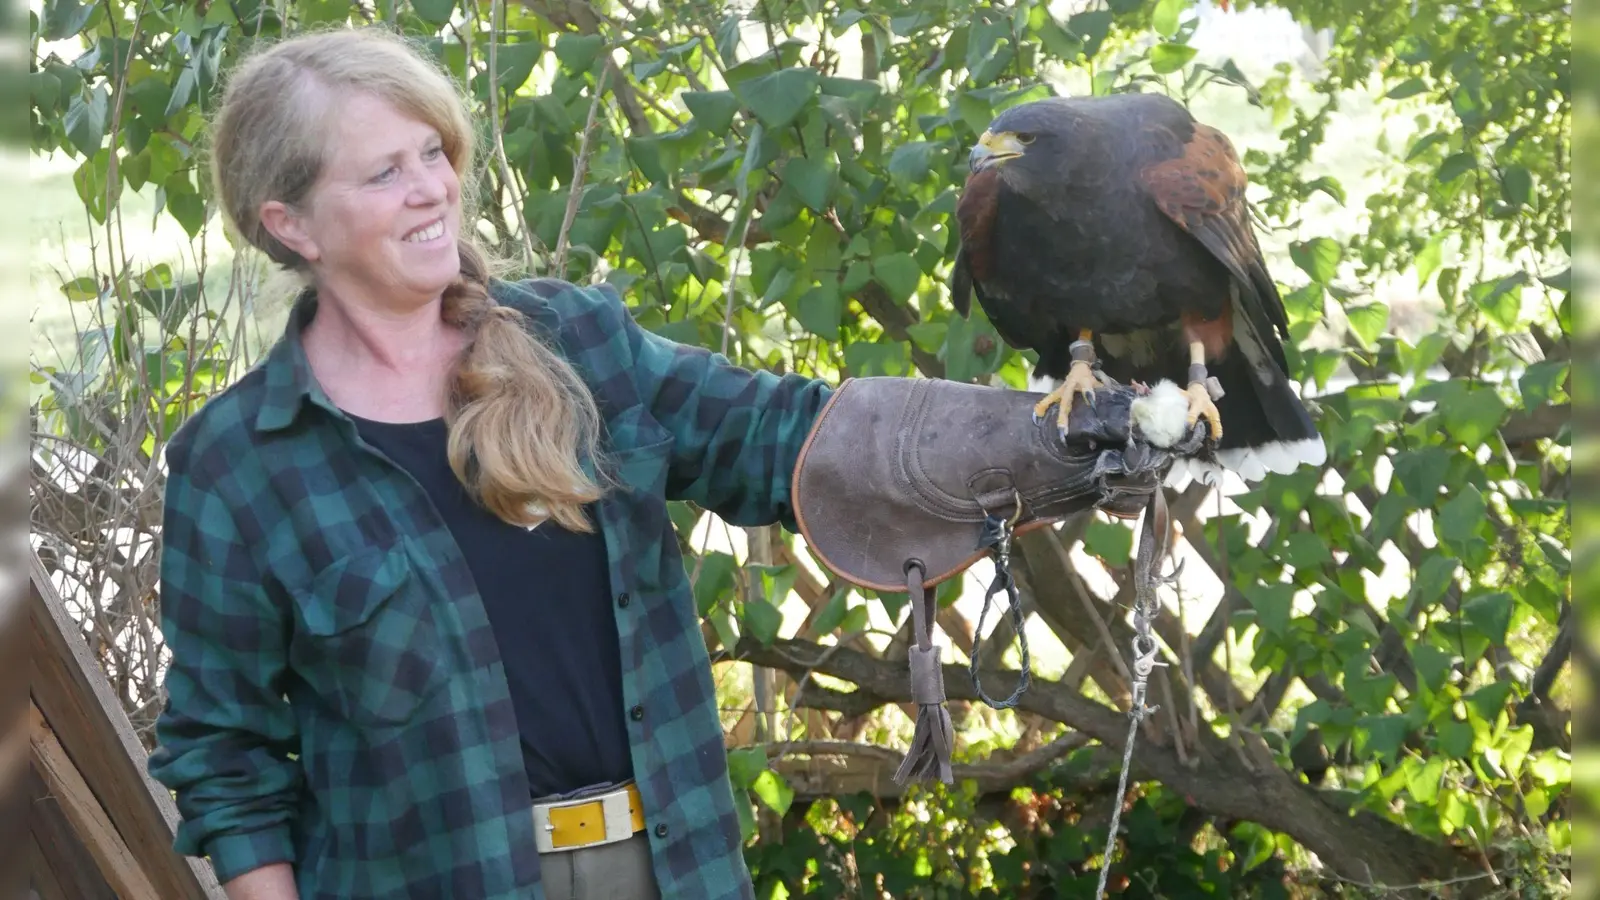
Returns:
(1113, 230)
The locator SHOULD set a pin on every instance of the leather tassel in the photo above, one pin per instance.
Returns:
(935, 734)
(934, 737)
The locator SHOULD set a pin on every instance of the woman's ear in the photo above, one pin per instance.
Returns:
(286, 224)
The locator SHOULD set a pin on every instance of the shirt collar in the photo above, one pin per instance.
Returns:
(290, 381)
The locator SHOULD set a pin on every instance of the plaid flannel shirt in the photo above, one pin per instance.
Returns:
(336, 696)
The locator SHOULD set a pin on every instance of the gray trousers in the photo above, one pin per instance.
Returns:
(619, 871)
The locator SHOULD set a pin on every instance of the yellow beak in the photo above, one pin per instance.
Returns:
(993, 149)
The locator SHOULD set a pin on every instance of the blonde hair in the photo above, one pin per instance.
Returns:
(520, 417)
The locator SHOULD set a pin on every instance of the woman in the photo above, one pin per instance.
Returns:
(400, 599)
(431, 635)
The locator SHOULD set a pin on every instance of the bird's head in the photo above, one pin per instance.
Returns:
(1024, 140)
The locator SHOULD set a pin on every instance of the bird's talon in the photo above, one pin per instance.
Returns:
(1200, 404)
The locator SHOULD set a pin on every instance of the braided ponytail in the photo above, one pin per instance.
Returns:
(520, 418)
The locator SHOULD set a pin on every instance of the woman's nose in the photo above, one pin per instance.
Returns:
(428, 187)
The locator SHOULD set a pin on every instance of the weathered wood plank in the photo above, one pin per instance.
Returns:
(59, 864)
(89, 820)
(77, 703)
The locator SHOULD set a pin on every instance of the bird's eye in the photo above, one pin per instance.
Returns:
(1025, 137)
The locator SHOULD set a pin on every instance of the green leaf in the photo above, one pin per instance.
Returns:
(777, 99)
(714, 580)
(818, 310)
(811, 180)
(1109, 541)
(1429, 257)
(910, 162)
(1165, 19)
(1168, 57)
(436, 12)
(1424, 784)
(1432, 579)
(578, 51)
(1542, 381)
(1433, 665)
(1274, 606)
(514, 63)
(1473, 415)
(1500, 300)
(64, 18)
(1368, 322)
(1421, 473)
(1455, 739)
(85, 121)
(1318, 258)
(972, 347)
(1516, 186)
(1091, 28)
(1329, 185)
(1304, 550)
(1408, 88)
(773, 790)
(1460, 519)
(899, 274)
(745, 764)
(712, 110)
(832, 613)
(1489, 700)
(1384, 735)
(763, 619)
(1455, 166)
(1490, 615)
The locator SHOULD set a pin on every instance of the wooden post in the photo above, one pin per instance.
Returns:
(84, 753)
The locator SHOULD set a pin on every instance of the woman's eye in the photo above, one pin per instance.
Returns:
(434, 153)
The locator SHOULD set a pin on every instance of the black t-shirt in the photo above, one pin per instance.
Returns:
(547, 595)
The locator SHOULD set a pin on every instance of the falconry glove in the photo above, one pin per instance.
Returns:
(904, 483)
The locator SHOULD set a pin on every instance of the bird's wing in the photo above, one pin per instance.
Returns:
(1203, 190)
(975, 212)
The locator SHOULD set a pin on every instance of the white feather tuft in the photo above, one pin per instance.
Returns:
(1163, 414)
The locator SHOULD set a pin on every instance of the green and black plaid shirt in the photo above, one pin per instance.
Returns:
(336, 695)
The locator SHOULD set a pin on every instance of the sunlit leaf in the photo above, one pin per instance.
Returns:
(777, 99)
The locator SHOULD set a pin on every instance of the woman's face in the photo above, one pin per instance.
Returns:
(379, 227)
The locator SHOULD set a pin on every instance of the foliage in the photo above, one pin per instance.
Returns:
(779, 184)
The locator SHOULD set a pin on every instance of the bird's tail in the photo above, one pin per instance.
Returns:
(1265, 426)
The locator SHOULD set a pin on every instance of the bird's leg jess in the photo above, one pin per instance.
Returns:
(1081, 379)
(1200, 397)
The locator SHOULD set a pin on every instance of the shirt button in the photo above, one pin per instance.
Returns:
(637, 712)
(661, 830)
(622, 599)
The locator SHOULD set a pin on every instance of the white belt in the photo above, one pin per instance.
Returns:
(588, 821)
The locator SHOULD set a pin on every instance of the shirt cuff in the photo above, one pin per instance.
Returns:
(236, 853)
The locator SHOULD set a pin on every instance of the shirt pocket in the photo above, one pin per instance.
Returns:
(367, 640)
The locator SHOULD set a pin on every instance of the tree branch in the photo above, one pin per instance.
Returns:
(1360, 845)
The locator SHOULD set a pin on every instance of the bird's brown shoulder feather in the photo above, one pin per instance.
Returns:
(1204, 187)
(975, 214)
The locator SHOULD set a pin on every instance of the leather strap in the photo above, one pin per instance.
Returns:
(934, 737)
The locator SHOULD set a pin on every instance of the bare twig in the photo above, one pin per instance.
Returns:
(558, 265)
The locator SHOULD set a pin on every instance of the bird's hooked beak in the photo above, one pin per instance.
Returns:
(993, 149)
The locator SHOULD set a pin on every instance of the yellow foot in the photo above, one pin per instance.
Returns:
(1200, 405)
(1080, 380)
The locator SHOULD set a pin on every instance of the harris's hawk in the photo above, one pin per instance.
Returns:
(1114, 229)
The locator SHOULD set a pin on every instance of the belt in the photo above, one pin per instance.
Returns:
(607, 818)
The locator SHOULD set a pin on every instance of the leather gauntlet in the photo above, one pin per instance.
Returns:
(912, 469)
(905, 482)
